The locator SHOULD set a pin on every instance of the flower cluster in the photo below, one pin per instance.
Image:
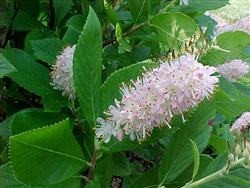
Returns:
(233, 11)
(62, 74)
(151, 101)
(241, 25)
(241, 123)
(233, 70)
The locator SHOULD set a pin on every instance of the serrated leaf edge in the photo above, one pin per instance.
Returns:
(148, 61)
(45, 127)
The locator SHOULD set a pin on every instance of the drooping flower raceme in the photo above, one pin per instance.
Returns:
(241, 123)
(152, 101)
(62, 73)
(234, 70)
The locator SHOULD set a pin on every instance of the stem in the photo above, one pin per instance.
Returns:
(52, 15)
(215, 175)
(132, 29)
(171, 4)
(92, 166)
(7, 34)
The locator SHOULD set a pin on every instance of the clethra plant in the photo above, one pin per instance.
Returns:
(124, 93)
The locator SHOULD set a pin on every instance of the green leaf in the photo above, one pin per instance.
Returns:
(47, 49)
(5, 125)
(147, 179)
(53, 102)
(30, 7)
(61, 8)
(74, 25)
(5, 66)
(216, 165)
(241, 172)
(87, 67)
(4, 137)
(35, 35)
(139, 9)
(205, 21)
(178, 154)
(25, 22)
(124, 43)
(4, 129)
(8, 180)
(112, 16)
(238, 177)
(27, 119)
(185, 176)
(94, 184)
(219, 144)
(30, 75)
(45, 153)
(174, 28)
(76, 22)
(112, 165)
(224, 181)
(233, 42)
(227, 96)
(30, 119)
(205, 160)
(201, 6)
(196, 159)
(110, 89)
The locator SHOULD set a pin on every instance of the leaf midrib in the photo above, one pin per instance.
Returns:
(51, 151)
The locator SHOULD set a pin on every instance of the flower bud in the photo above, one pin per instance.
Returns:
(237, 149)
(231, 157)
(119, 135)
(248, 146)
(248, 165)
(246, 154)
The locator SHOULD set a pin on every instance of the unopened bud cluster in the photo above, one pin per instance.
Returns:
(152, 101)
(196, 45)
(241, 127)
(241, 151)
